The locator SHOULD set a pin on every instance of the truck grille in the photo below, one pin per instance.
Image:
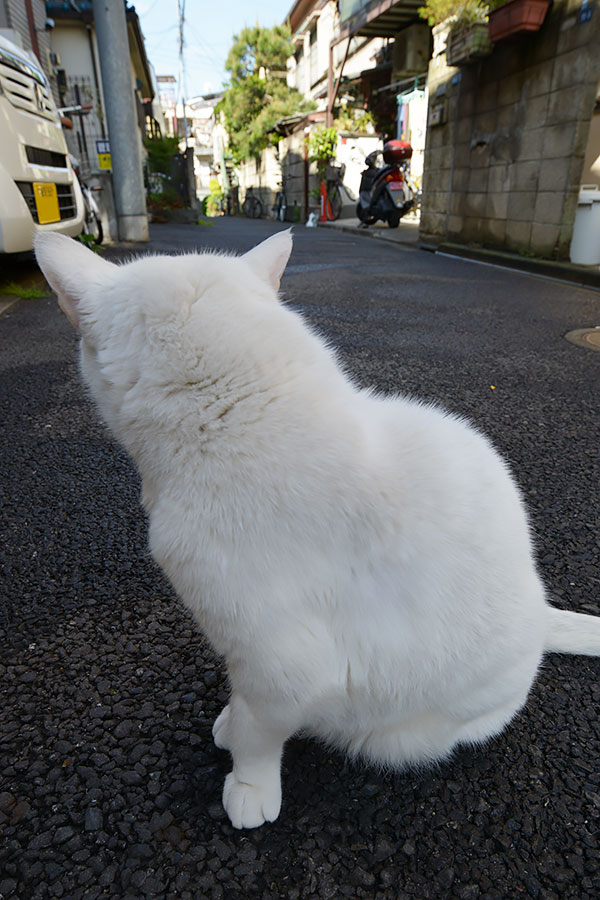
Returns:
(41, 157)
(66, 200)
(24, 85)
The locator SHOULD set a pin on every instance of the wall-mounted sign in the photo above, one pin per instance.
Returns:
(437, 114)
(585, 13)
(103, 152)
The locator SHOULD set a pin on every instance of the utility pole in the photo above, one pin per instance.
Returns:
(128, 179)
(181, 16)
(188, 153)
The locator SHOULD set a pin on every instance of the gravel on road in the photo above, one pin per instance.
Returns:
(110, 785)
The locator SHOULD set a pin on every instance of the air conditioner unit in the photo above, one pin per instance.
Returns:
(412, 51)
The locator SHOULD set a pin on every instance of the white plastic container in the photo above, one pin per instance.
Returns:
(585, 243)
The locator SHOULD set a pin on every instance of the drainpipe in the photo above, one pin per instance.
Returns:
(32, 32)
(332, 91)
(96, 82)
(330, 97)
(306, 172)
(121, 117)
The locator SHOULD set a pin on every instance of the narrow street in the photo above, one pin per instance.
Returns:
(110, 784)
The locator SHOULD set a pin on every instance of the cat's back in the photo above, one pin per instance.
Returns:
(439, 472)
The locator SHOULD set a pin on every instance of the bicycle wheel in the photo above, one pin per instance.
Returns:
(257, 209)
(335, 202)
(93, 226)
(276, 208)
(247, 206)
(282, 208)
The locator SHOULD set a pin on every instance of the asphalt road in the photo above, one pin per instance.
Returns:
(109, 782)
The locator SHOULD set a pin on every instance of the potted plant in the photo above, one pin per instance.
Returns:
(515, 17)
(467, 20)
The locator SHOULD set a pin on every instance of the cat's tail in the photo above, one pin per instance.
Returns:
(569, 632)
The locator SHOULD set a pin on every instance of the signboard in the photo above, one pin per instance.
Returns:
(103, 151)
(585, 13)
(46, 202)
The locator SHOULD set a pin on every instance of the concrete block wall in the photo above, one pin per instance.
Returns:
(504, 168)
(263, 176)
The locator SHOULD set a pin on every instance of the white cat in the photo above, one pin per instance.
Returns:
(362, 563)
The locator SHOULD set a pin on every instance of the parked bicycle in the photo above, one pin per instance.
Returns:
(252, 207)
(334, 185)
(92, 223)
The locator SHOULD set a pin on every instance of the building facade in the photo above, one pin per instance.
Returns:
(512, 137)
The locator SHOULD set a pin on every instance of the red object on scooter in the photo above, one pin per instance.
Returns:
(396, 152)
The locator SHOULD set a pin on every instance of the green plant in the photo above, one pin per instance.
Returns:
(215, 198)
(161, 151)
(463, 12)
(322, 145)
(350, 119)
(17, 290)
(88, 241)
(168, 198)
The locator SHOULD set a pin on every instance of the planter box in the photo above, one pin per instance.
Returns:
(516, 17)
(468, 45)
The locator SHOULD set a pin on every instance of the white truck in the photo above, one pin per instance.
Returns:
(38, 189)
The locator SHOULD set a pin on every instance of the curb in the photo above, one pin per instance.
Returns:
(585, 276)
(391, 237)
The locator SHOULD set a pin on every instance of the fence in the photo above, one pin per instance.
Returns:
(87, 129)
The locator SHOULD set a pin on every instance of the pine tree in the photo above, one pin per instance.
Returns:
(257, 94)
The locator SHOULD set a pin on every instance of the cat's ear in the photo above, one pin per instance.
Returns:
(69, 268)
(270, 258)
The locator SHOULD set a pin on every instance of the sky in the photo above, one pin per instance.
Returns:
(208, 35)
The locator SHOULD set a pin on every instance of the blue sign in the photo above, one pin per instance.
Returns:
(585, 13)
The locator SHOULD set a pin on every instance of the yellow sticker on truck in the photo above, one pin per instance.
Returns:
(46, 202)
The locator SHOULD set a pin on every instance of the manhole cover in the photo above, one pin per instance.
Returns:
(585, 337)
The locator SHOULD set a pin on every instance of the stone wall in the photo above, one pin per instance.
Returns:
(261, 175)
(504, 166)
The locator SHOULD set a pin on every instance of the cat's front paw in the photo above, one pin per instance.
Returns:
(248, 805)
(219, 731)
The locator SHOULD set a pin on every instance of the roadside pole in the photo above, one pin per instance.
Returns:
(128, 180)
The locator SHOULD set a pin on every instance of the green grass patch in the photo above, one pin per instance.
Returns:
(16, 290)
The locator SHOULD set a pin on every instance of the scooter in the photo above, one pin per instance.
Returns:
(384, 193)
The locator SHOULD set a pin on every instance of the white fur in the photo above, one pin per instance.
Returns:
(362, 563)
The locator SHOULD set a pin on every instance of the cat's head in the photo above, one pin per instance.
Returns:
(82, 279)
(160, 321)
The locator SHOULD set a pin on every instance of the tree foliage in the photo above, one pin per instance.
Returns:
(257, 94)
(161, 151)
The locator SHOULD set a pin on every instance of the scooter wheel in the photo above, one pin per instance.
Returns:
(364, 217)
(393, 221)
